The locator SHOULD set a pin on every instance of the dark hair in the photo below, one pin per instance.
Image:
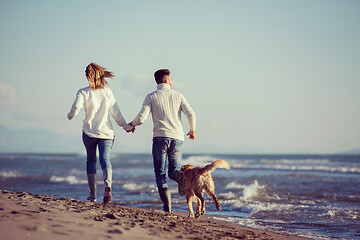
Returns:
(159, 75)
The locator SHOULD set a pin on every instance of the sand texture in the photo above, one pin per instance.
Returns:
(30, 216)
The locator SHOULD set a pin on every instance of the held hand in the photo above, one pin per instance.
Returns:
(129, 128)
(191, 134)
(133, 129)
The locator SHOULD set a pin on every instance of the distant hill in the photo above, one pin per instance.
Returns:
(37, 140)
(352, 151)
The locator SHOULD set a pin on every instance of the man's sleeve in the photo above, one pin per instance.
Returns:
(189, 113)
(144, 112)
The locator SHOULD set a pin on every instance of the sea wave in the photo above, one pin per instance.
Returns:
(306, 164)
(197, 161)
(255, 166)
(67, 179)
(263, 224)
(10, 174)
(228, 195)
(242, 222)
(254, 191)
(307, 161)
(253, 197)
(136, 187)
(342, 214)
(234, 185)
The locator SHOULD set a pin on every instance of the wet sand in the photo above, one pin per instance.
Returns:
(31, 216)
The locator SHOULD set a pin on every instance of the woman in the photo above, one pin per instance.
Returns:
(98, 101)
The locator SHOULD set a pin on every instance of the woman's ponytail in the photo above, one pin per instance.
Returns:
(96, 76)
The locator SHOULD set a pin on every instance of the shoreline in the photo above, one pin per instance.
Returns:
(33, 216)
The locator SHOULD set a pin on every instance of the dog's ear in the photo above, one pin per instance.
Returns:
(185, 167)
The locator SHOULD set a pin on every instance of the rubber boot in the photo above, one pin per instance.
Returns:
(107, 195)
(165, 197)
(92, 181)
(107, 173)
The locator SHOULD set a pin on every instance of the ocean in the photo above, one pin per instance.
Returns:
(316, 196)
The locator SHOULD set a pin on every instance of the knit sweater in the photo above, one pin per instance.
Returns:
(98, 104)
(166, 106)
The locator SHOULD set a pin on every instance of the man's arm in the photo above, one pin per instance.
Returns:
(190, 115)
(143, 114)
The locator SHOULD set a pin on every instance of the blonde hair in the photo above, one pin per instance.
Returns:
(96, 76)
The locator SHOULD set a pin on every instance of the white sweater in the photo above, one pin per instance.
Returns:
(166, 106)
(98, 104)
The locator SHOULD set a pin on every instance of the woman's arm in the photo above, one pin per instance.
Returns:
(77, 105)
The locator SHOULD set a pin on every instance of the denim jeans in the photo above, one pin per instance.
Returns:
(162, 149)
(104, 145)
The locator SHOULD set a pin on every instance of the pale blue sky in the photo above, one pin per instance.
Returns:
(262, 76)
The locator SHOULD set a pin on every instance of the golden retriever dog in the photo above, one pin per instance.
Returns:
(199, 180)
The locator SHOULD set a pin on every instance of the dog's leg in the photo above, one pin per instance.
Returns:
(189, 202)
(197, 214)
(200, 210)
(210, 190)
(217, 204)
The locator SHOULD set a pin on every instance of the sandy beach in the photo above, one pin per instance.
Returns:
(30, 216)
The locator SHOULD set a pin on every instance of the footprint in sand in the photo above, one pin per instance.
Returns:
(37, 228)
(116, 231)
(60, 232)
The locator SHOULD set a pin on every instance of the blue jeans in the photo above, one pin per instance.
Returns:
(165, 148)
(104, 145)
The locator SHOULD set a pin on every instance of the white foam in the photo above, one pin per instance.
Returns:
(307, 161)
(307, 202)
(294, 166)
(268, 207)
(323, 165)
(299, 164)
(234, 185)
(342, 214)
(242, 222)
(67, 179)
(254, 198)
(10, 174)
(331, 213)
(252, 191)
(228, 195)
(136, 187)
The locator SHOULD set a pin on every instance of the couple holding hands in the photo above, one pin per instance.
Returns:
(165, 105)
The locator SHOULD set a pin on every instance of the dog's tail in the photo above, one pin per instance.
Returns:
(217, 164)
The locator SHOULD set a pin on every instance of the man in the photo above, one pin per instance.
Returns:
(166, 106)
